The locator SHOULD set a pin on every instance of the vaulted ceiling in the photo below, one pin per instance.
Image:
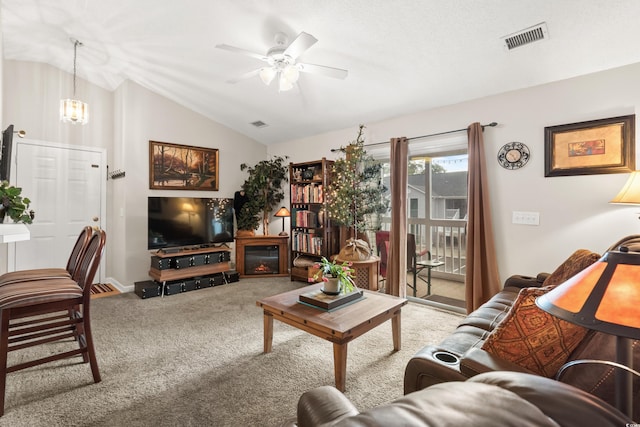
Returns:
(402, 56)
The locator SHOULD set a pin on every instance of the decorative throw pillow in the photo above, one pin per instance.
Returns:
(532, 338)
(578, 261)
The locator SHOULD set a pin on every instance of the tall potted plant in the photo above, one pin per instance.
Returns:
(14, 205)
(263, 190)
(356, 188)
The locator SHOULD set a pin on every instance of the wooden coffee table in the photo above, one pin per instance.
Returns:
(339, 326)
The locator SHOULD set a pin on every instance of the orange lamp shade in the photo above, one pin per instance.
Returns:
(283, 212)
(603, 297)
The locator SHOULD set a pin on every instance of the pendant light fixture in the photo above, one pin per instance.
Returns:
(73, 110)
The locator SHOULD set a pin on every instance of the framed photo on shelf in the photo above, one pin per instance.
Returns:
(182, 167)
(592, 147)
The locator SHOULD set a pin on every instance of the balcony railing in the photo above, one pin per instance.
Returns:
(444, 238)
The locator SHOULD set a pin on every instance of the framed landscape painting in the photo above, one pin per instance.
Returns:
(593, 147)
(182, 167)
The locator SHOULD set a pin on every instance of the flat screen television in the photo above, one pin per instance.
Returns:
(5, 152)
(189, 221)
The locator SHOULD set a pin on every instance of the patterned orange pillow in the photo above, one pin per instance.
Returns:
(578, 261)
(532, 338)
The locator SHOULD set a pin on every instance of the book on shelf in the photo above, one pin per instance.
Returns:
(311, 193)
(306, 218)
(306, 242)
(319, 299)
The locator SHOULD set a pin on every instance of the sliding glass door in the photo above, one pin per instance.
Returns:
(437, 210)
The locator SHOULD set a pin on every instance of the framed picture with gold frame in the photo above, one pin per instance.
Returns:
(182, 167)
(592, 147)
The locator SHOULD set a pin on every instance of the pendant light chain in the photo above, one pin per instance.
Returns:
(75, 56)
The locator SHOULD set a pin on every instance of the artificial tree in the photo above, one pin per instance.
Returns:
(263, 190)
(356, 188)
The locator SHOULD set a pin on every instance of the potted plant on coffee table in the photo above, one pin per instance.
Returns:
(337, 278)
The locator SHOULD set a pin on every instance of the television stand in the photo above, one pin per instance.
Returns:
(188, 263)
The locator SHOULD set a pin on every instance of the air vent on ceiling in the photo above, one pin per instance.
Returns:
(259, 124)
(526, 36)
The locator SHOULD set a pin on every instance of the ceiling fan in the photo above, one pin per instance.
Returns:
(281, 62)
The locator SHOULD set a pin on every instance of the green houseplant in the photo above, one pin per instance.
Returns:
(331, 270)
(14, 205)
(264, 192)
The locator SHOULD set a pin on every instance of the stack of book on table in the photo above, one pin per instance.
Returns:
(319, 299)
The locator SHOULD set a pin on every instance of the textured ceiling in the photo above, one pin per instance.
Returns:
(403, 56)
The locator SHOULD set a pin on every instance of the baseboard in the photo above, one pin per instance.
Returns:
(119, 286)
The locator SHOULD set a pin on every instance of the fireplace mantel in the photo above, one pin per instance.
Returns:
(282, 242)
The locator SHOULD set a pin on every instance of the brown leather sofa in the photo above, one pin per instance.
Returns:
(491, 399)
(461, 356)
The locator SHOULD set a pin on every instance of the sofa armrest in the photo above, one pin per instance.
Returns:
(519, 281)
(431, 365)
(323, 405)
(477, 361)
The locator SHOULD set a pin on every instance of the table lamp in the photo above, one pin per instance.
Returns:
(605, 297)
(283, 213)
(630, 192)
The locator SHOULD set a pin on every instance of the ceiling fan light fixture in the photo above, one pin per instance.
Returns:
(285, 84)
(291, 73)
(267, 74)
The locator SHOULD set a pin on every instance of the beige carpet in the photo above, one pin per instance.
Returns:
(195, 359)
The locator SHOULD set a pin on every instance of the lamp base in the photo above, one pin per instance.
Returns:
(283, 233)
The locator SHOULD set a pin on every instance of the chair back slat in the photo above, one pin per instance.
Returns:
(78, 249)
(90, 261)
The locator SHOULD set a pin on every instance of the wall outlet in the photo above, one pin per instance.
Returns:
(526, 218)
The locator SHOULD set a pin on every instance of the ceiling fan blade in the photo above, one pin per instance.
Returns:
(336, 73)
(242, 51)
(297, 47)
(245, 76)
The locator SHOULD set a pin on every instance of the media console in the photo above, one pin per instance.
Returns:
(178, 270)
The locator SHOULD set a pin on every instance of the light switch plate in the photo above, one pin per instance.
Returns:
(526, 218)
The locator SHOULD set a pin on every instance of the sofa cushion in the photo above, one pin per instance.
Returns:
(578, 261)
(532, 338)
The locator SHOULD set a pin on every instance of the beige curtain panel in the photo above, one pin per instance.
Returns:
(482, 280)
(397, 258)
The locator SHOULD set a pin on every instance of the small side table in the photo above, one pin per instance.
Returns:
(366, 272)
(421, 265)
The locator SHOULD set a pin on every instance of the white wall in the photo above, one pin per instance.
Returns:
(123, 122)
(143, 116)
(574, 211)
(31, 94)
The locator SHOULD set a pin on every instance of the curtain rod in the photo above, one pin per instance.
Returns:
(492, 124)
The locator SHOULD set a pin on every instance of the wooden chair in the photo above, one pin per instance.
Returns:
(38, 312)
(414, 265)
(52, 273)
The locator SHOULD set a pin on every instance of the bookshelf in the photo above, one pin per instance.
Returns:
(312, 235)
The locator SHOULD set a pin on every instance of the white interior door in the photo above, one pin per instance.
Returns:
(66, 188)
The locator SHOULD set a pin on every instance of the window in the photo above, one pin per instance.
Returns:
(413, 208)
